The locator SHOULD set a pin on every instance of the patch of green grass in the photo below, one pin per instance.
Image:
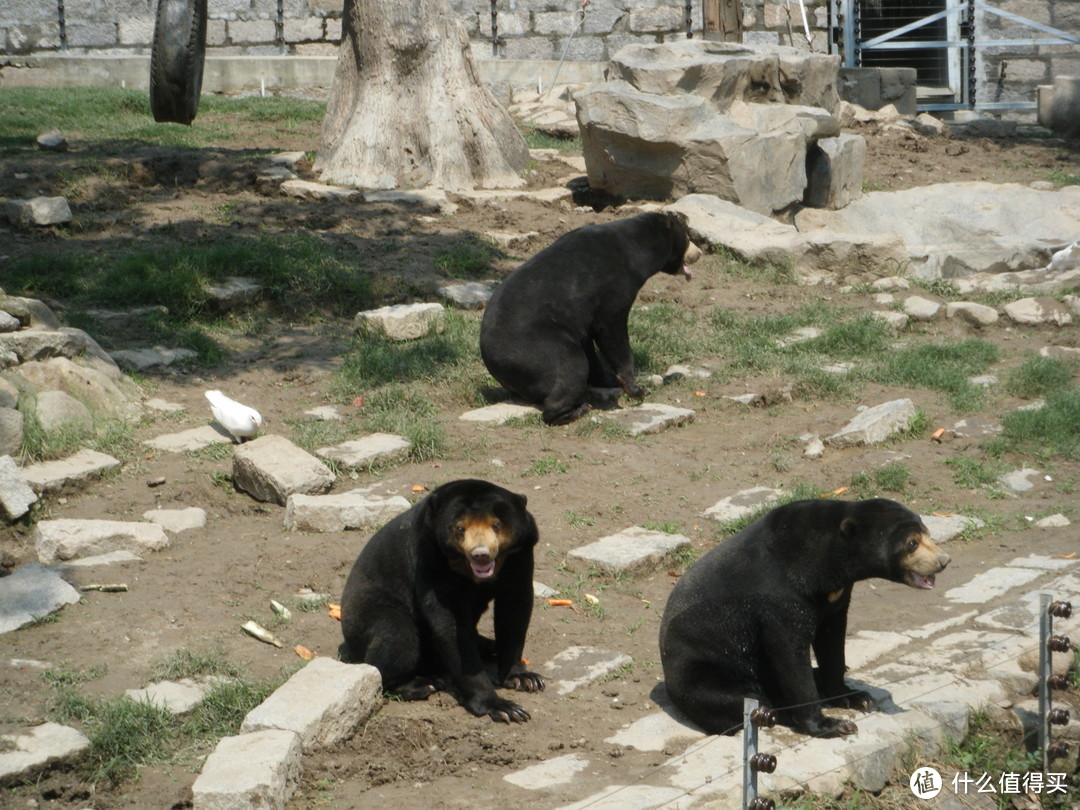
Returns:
(893, 477)
(470, 258)
(70, 677)
(668, 527)
(311, 434)
(185, 663)
(541, 140)
(1061, 177)
(973, 473)
(943, 367)
(1038, 377)
(799, 491)
(317, 605)
(548, 465)
(224, 707)
(1050, 431)
(406, 412)
(663, 334)
(577, 521)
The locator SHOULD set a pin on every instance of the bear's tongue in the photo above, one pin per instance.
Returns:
(686, 271)
(483, 571)
(927, 583)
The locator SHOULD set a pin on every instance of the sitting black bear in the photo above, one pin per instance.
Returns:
(415, 593)
(557, 324)
(741, 621)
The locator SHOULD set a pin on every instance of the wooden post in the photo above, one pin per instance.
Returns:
(722, 20)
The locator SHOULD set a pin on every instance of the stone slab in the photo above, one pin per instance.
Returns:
(258, 771)
(23, 754)
(367, 450)
(401, 322)
(550, 772)
(875, 425)
(16, 494)
(632, 551)
(176, 697)
(655, 732)
(741, 504)
(648, 417)
(50, 476)
(991, 584)
(177, 520)
(341, 511)
(577, 666)
(30, 592)
(110, 558)
(944, 528)
(66, 538)
(187, 441)
(271, 468)
(499, 413)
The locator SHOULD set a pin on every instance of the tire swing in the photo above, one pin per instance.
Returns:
(176, 60)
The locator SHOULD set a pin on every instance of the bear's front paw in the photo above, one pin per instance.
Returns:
(525, 682)
(503, 711)
(822, 726)
(632, 389)
(856, 699)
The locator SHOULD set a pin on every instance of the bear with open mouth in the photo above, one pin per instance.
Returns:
(741, 622)
(416, 592)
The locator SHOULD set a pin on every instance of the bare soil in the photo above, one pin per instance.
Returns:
(197, 593)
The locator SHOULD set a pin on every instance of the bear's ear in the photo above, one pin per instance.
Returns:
(679, 217)
(848, 527)
(522, 500)
(430, 510)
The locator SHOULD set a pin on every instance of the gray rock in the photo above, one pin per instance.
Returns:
(921, 309)
(177, 520)
(31, 592)
(1053, 521)
(632, 551)
(52, 141)
(188, 440)
(834, 171)
(11, 431)
(51, 476)
(22, 755)
(55, 410)
(648, 417)
(271, 468)
(41, 344)
(875, 425)
(429, 199)
(9, 323)
(258, 771)
(105, 395)
(326, 413)
(1019, 480)
(16, 495)
(499, 413)
(66, 538)
(577, 666)
(991, 584)
(468, 294)
(31, 312)
(944, 528)
(176, 697)
(111, 558)
(512, 240)
(323, 703)
(307, 190)
(39, 211)
(1038, 311)
(975, 314)
(968, 428)
(9, 394)
(741, 504)
(162, 406)
(233, 292)
(342, 511)
(550, 772)
(367, 450)
(984, 380)
(402, 321)
(159, 357)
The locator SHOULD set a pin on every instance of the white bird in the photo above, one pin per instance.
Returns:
(240, 420)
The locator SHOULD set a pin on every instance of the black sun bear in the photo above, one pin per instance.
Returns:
(742, 620)
(413, 598)
(558, 324)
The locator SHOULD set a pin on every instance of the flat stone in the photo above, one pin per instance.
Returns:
(307, 190)
(648, 417)
(932, 629)
(258, 771)
(632, 551)
(577, 666)
(468, 294)
(944, 528)
(628, 797)
(866, 646)
(431, 199)
(52, 141)
(1019, 480)
(30, 592)
(991, 584)
(1038, 311)
(875, 425)
(40, 211)
(159, 357)
(655, 732)
(271, 468)
(499, 413)
(326, 413)
(1053, 521)
(1042, 563)
(233, 292)
(288, 159)
(978, 315)
(163, 406)
(974, 428)
(323, 703)
(187, 441)
(67, 538)
(511, 240)
(482, 196)
(896, 321)
(21, 755)
(176, 697)
(16, 495)
(177, 520)
(557, 771)
(402, 321)
(50, 476)
(742, 504)
(341, 511)
(921, 309)
(367, 450)
(110, 558)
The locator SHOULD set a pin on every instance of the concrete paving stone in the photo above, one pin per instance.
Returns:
(400, 322)
(655, 732)
(577, 666)
(177, 520)
(163, 406)
(875, 425)
(557, 771)
(711, 765)
(327, 413)
(431, 199)
(927, 630)
(991, 584)
(341, 511)
(968, 652)
(177, 697)
(16, 494)
(257, 771)
(50, 476)
(111, 558)
(271, 468)
(187, 441)
(974, 428)
(913, 685)
(741, 504)
(468, 294)
(499, 413)
(21, 755)
(866, 646)
(65, 539)
(1019, 480)
(1041, 562)
(944, 528)
(324, 702)
(627, 797)
(30, 592)
(632, 551)
(367, 450)
(648, 417)
(815, 765)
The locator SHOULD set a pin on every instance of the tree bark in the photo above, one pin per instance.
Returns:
(407, 108)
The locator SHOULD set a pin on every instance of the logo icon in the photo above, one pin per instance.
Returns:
(925, 783)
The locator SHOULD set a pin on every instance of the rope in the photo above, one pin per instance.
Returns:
(579, 17)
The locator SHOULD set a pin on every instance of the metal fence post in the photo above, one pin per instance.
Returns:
(753, 760)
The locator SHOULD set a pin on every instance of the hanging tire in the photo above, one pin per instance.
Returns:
(176, 60)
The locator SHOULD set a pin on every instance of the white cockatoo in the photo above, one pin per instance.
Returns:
(240, 420)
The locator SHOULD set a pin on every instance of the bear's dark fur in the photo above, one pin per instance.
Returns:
(415, 593)
(557, 324)
(741, 621)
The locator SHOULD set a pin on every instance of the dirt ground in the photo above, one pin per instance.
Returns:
(197, 593)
